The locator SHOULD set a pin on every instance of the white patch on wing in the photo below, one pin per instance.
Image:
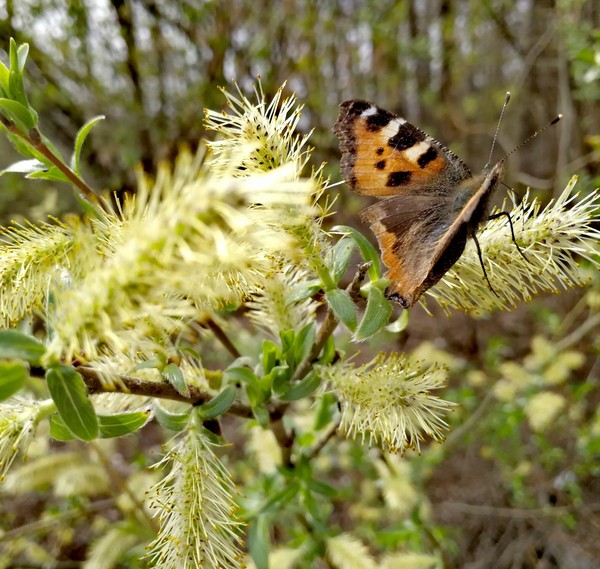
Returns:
(415, 152)
(372, 110)
(391, 129)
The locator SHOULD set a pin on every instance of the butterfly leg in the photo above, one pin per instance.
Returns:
(482, 264)
(512, 230)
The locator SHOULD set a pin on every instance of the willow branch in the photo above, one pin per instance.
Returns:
(158, 389)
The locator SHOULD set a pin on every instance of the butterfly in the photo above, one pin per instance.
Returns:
(430, 203)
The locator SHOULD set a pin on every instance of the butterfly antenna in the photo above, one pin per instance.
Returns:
(531, 137)
(506, 99)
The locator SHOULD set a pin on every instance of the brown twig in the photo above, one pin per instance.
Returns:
(324, 439)
(158, 389)
(328, 326)
(222, 337)
(34, 138)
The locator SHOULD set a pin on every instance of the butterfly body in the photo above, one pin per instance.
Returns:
(430, 203)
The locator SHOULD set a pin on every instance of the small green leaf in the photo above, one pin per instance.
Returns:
(51, 173)
(15, 75)
(328, 352)
(302, 291)
(303, 388)
(60, 431)
(122, 424)
(22, 53)
(280, 376)
(218, 404)
(341, 253)
(368, 252)
(25, 167)
(4, 88)
(340, 302)
(321, 488)
(400, 324)
(172, 374)
(270, 355)
(172, 421)
(327, 408)
(17, 346)
(259, 542)
(109, 426)
(21, 116)
(240, 375)
(287, 341)
(80, 139)
(261, 414)
(12, 378)
(376, 314)
(304, 342)
(69, 393)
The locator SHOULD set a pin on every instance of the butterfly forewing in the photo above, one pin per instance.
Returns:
(382, 154)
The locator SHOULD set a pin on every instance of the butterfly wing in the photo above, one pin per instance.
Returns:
(383, 155)
(409, 228)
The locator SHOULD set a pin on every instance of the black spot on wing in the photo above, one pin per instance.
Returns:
(378, 120)
(427, 157)
(380, 165)
(398, 179)
(379, 151)
(406, 137)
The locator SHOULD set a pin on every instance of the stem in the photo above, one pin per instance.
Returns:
(324, 439)
(34, 138)
(159, 389)
(222, 337)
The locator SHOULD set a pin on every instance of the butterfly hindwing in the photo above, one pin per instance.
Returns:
(409, 228)
(383, 154)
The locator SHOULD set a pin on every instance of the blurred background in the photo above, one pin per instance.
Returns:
(152, 67)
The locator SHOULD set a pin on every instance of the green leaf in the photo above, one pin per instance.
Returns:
(340, 302)
(303, 388)
(69, 393)
(242, 375)
(287, 342)
(25, 167)
(280, 376)
(4, 88)
(21, 116)
(12, 378)
(304, 342)
(321, 488)
(60, 431)
(109, 426)
(259, 542)
(122, 424)
(270, 355)
(22, 53)
(80, 139)
(51, 173)
(15, 75)
(261, 414)
(368, 252)
(172, 374)
(401, 323)
(302, 291)
(17, 346)
(172, 421)
(328, 351)
(326, 410)
(376, 314)
(341, 253)
(218, 404)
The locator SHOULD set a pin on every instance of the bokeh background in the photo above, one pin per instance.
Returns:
(504, 492)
